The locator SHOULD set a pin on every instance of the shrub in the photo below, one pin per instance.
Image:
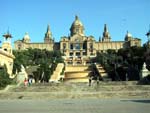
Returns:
(4, 77)
(145, 80)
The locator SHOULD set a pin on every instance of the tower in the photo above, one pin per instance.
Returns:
(6, 46)
(6, 56)
(128, 36)
(48, 36)
(106, 36)
(77, 27)
(148, 37)
(148, 34)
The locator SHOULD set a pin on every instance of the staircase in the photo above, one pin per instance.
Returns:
(101, 71)
(78, 73)
(56, 74)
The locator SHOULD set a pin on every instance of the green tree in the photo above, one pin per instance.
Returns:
(4, 77)
(128, 58)
(46, 60)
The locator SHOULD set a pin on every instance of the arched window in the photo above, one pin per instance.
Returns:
(91, 46)
(19, 46)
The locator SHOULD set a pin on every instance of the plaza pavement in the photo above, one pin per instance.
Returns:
(76, 98)
(76, 106)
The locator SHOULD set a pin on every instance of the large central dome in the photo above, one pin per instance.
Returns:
(77, 22)
(77, 27)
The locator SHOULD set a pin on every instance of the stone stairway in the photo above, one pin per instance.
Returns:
(56, 74)
(102, 71)
(78, 73)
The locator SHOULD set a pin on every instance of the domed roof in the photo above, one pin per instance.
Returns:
(77, 27)
(26, 36)
(77, 22)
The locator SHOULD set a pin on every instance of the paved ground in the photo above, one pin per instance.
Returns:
(76, 106)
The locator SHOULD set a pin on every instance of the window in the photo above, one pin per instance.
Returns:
(71, 54)
(64, 46)
(77, 30)
(19, 46)
(78, 62)
(91, 46)
(84, 45)
(77, 46)
(91, 50)
(84, 53)
(71, 46)
(78, 54)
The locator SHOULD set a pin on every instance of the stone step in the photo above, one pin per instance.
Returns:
(101, 71)
(72, 87)
(76, 74)
(75, 80)
(76, 68)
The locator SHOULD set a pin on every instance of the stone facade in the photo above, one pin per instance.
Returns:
(77, 48)
(25, 42)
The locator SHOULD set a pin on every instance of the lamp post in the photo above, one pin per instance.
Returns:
(148, 37)
(148, 33)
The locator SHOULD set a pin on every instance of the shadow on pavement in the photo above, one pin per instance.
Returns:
(141, 101)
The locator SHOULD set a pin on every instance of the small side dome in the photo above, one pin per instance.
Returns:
(26, 38)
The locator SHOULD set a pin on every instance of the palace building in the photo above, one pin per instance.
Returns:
(77, 48)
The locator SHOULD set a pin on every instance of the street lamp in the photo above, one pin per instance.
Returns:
(148, 36)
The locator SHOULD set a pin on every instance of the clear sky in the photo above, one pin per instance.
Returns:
(33, 16)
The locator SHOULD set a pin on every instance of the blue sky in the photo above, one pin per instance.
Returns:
(33, 16)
